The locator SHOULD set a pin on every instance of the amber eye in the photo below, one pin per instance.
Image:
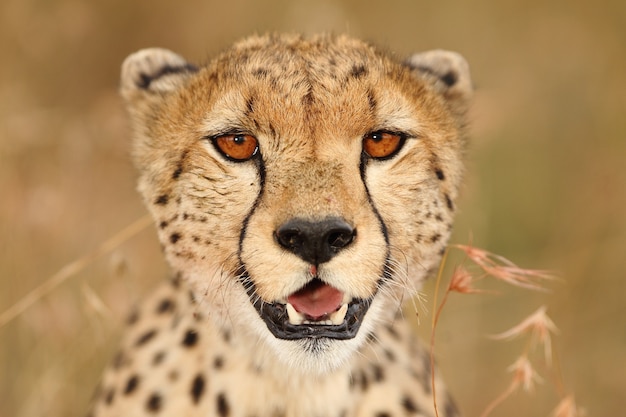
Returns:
(382, 144)
(237, 147)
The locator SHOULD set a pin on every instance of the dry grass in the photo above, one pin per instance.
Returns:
(545, 183)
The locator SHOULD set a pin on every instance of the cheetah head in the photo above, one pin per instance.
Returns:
(302, 187)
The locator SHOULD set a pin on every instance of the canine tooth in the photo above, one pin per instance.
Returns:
(294, 317)
(337, 317)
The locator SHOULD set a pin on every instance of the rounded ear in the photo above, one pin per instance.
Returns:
(449, 73)
(153, 70)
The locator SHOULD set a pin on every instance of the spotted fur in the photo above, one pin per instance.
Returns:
(199, 346)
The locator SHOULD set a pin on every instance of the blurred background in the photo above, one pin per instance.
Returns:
(546, 182)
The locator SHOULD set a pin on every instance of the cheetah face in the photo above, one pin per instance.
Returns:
(302, 187)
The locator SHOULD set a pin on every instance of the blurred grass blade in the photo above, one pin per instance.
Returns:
(73, 268)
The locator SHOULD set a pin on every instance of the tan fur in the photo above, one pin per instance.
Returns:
(309, 102)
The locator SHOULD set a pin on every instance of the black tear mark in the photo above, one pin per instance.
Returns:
(162, 200)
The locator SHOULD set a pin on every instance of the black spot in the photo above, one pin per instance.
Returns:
(450, 78)
(250, 106)
(450, 408)
(372, 101)
(176, 174)
(158, 358)
(223, 408)
(146, 337)
(226, 335)
(197, 388)
(175, 237)
(131, 385)
(176, 280)
(382, 414)
(409, 405)
(378, 373)
(133, 317)
(449, 202)
(365, 383)
(393, 332)
(308, 99)
(440, 175)
(162, 199)
(119, 360)
(260, 72)
(154, 403)
(163, 224)
(218, 362)
(358, 71)
(435, 238)
(190, 339)
(109, 396)
(390, 355)
(165, 306)
(196, 239)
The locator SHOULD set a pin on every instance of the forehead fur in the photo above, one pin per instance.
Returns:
(293, 86)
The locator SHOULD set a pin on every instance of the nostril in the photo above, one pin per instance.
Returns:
(340, 238)
(289, 238)
(315, 242)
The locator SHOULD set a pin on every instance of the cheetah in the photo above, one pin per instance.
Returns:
(302, 187)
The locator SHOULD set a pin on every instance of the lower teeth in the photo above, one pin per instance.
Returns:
(335, 318)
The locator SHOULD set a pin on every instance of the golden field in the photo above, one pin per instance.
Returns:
(546, 181)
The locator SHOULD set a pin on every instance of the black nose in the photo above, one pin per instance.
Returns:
(315, 242)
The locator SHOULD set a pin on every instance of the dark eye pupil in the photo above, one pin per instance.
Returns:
(239, 140)
(377, 137)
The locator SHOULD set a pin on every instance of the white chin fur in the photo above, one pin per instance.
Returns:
(319, 356)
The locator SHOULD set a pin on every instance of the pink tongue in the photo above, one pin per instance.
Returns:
(316, 299)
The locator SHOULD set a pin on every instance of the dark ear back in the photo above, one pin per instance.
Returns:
(448, 72)
(153, 71)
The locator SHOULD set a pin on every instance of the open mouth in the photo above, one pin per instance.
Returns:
(316, 310)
